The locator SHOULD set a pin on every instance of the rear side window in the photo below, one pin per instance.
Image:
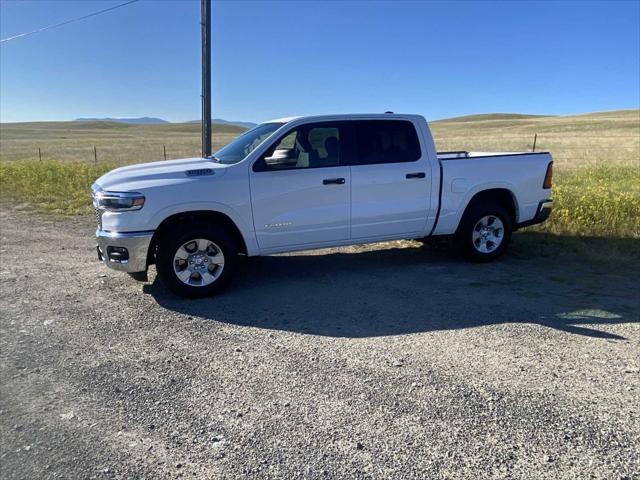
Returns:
(385, 141)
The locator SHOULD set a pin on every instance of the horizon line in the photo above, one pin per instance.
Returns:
(123, 119)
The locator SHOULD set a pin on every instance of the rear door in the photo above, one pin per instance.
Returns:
(300, 188)
(390, 180)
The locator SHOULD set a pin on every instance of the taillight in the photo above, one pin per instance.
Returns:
(548, 177)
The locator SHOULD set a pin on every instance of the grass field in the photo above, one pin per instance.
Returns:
(606, 139)
(597, 161)
(117, 143)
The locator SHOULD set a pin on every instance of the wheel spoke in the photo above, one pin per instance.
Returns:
(184, 275)
(217, 259)
(208, 277)
(182, 253)
(203, 244)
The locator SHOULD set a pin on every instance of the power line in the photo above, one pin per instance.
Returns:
(48, 27)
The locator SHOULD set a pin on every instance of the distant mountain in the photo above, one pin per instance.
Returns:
(134, 121)
(221, 121)
(491, 116)
(159, 121)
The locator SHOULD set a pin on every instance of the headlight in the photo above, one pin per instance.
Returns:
(118, 201)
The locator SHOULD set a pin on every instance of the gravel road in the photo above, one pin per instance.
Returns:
(381, 361)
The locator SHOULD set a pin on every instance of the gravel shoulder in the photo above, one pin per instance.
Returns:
(384, 361)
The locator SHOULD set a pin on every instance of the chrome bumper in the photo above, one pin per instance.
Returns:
(135, 243)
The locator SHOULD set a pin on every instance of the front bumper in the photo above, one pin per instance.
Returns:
(542, 213)
(111, 246)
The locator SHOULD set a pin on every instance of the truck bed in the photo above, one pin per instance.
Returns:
(520, 173)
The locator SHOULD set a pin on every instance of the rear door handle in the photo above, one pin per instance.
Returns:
(333, 181)
(416, 175)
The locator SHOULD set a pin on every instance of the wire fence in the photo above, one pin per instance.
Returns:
(569, 147)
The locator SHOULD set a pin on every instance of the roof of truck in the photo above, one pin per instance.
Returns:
(341, 116)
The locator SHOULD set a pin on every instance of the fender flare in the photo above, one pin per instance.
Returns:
(248, 235)
(509, 187)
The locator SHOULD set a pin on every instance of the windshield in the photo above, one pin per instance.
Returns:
(246, 143)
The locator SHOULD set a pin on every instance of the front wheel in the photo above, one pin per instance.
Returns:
(484, 233)
(197, 262)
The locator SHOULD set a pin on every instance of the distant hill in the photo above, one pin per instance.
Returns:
(160, 121)
(492, 116)
(221, 121)
(134, 121)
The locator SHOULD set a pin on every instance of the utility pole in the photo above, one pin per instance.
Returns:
(205, 12)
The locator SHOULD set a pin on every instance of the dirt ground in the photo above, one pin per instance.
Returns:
(384, 361)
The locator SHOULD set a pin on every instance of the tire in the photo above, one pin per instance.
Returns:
(484, 233)
(196, 262)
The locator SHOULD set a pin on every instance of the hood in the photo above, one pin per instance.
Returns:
(146, 175)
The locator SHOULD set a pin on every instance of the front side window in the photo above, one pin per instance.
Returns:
(307, 146)
(386, 141)
(246, 143)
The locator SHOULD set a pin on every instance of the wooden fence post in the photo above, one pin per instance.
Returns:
(164, 147)
(39, 154)
(535, 139)
(95, 154)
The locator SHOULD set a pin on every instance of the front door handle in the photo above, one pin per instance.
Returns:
(333, 181)
(416, 175)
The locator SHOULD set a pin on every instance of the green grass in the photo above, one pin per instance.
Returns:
(597, 202)
(596, 219)
(60, 187)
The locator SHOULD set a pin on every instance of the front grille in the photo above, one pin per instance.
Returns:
(98, 217)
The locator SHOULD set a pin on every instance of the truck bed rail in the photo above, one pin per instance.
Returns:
(463, 154)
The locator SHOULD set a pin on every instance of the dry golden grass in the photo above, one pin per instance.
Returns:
(115, 142)
(597, 139)
(607, 139)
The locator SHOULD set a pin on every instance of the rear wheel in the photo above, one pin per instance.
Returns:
(197, 262)
(484, 233)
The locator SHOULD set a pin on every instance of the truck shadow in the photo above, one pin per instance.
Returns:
(394, 291)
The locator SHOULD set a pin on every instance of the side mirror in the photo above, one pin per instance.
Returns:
(282, 158)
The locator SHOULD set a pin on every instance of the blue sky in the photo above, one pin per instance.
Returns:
(273, 59)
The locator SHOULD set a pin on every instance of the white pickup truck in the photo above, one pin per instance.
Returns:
(312, 182)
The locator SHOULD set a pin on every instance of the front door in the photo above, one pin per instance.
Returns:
(300, 189)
